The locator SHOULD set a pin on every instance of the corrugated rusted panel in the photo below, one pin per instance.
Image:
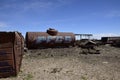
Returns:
(9, 53)
(43, 39)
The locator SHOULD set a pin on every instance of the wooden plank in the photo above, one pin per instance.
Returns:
(6, 57)
(5, 63)
(7, 74)
(6, 45)
(6, 50)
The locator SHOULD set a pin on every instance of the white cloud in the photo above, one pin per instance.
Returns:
(45, 4)
(107, 14)
(36, 5)
(33, 4)
(2, 25)
(113, 14)
(98, 36)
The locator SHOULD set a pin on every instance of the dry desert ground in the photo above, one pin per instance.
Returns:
(70, 64)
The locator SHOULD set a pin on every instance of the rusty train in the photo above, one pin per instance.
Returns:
(12, 46)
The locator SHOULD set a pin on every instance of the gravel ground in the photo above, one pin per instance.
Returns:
(70, 64)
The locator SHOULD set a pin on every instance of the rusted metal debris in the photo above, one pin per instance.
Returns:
(11, 50)
(88, 46)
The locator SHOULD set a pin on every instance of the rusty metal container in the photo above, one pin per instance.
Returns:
(36, 40)
(11, 50)
(110, 40)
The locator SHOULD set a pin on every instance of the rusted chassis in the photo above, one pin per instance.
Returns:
(11, 50)
(36, 40)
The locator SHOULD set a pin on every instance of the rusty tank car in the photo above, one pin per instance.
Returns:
(114, 41)
(11, 50)
(50, 38)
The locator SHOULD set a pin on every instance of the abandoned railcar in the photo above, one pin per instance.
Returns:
(11, 50)
(50, 38)
(110, 40)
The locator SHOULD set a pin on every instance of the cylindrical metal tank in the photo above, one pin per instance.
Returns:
(36, 40)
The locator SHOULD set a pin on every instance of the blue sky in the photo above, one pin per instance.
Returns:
(97, 17)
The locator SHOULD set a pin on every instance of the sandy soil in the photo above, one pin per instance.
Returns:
(70, 64)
